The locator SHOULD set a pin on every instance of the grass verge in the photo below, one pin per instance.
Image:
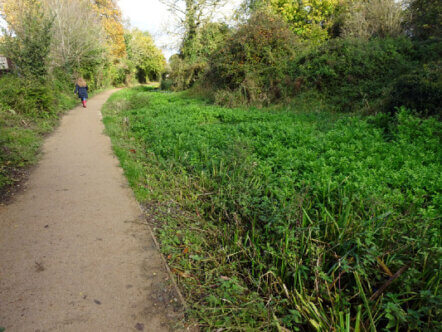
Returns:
(21, 137)
(290, 218)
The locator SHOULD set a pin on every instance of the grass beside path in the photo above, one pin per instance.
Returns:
(21, 137)
(291, 218)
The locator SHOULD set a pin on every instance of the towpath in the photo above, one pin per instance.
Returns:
(75, 254)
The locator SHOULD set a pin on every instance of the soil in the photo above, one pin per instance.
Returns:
(76, 252)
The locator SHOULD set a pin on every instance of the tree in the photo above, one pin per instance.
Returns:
(28, 38)
(77, 33)
(10, 10)
(145, 56)
(209, 38)
(191, 14)
(373, 18)
(309, 19)
(111, 19)
(425, 18)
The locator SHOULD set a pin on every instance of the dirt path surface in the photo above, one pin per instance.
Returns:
(75, 254)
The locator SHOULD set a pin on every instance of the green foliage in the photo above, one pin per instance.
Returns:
(184, 73)
(420, 90)
(192, 15)
(208, 39)
(28, 44)
(354, 72)
(302, 215)
(28, 110)
(309, 19)
(186, 70)
(144, 56)
(27, 96)
(253, 61)
(426, 19)
(166, 84)
(122, 73)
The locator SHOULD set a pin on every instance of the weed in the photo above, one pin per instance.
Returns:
(289, 218)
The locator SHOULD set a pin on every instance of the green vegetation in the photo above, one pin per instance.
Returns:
(293, 217)
(28, 111)
(51, 43)
(362, 56)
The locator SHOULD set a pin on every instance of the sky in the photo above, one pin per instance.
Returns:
(152, 16)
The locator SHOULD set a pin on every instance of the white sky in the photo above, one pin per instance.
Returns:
(152, 16)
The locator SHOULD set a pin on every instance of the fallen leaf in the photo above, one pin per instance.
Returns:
(186, 250)
(180, 273)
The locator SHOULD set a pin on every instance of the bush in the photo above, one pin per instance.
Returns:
(420, 90)
(425, 19)
(189, 66)
(166, 84)
(184, 73)
(254, 60)
(352, 72)
(27, 96)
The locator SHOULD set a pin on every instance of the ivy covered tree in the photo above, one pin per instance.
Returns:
(191, 15)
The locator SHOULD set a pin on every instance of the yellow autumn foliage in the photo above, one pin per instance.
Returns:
(111, 18)
(10, 10)
(309, 19)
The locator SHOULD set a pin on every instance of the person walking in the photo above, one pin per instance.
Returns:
(81, 88)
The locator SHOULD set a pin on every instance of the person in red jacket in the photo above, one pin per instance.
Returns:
(82, 89)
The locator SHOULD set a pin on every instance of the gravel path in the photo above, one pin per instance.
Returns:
(75, 254)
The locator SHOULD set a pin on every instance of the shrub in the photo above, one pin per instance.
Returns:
(184, 74)
(28, 41)
(27, 96)
(254, 59)
(188, 67)
(420, 90)
(166, 84)
(425, 19)
(354, 72)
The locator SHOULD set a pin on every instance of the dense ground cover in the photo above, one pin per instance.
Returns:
(28, 111)
(292, 217)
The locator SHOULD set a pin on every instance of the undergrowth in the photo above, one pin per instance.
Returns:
(29, 110)
(289, 218)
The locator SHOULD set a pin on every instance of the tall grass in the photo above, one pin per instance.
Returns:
(279, 219)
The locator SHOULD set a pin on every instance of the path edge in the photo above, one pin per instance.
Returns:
(151, 232)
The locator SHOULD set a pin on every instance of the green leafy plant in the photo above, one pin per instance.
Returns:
(278, 218)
